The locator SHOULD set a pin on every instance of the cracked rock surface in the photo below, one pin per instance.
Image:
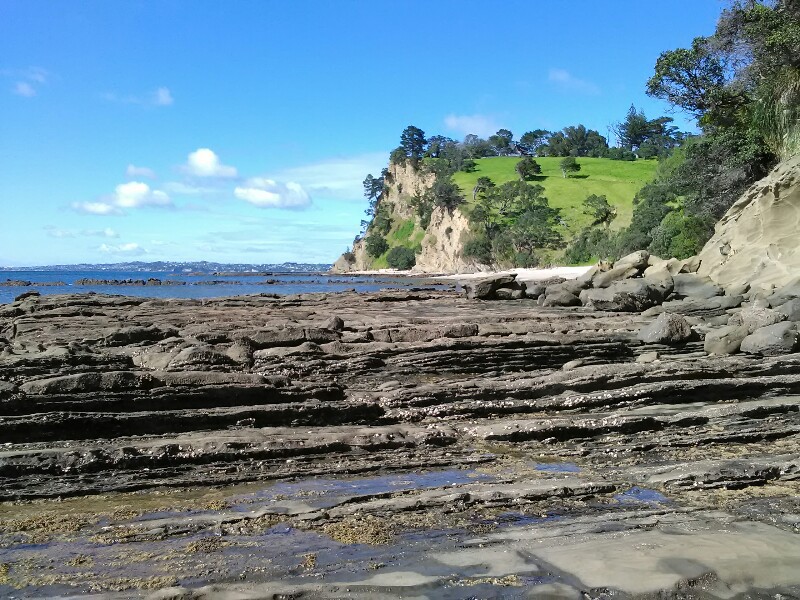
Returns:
(390, 444)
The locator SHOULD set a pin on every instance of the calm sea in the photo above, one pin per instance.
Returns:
(199, 286)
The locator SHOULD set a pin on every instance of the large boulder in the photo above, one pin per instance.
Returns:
(637, 260)
(755, 318)
(602, 280)
(561, 298)
(628, 295)
(668, 328)
(791, 309)
(695, 286)
(782, 295)
(772, 340)
(756, 241)
(725, 340)
(485, 287)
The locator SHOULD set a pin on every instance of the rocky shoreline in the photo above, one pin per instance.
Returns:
(402, 443)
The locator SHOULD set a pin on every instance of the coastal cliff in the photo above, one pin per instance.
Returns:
(436, 243)
(756, 241)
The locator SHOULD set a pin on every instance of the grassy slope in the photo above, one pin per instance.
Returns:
(617, 180)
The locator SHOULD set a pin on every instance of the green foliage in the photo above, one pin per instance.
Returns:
(502, 142)
(620, 154)
(569, 165)
(591, 244)
(680, 235)
(349, 256)
(376, 244)
(528, 169)
(479, 247)
(598, 208)
(532, 142)
(382, 221)
(511, 223)
(576, 141)
(398, 156)
(412, 142)
(401, 258)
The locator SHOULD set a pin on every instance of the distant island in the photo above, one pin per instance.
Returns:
(183, 267)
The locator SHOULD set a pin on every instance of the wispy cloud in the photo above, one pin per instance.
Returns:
(163, 97)
(568, 82)
(134, 171)
(159, 97)
(25, 89)
(337, 178)
(128, 249)
(28, 81)
(268, 193)
(96, 208)
(57, 232)
(204, 162)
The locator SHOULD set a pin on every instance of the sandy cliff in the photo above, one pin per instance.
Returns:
(442, 239)
(757, 240)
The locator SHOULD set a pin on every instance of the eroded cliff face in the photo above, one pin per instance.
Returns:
(443, 237)
(757, 241)
(442, 244)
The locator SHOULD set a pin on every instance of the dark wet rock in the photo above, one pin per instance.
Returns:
(780, 338)
(666, 329)
(695, 286)
(725, 340)
(28, 294)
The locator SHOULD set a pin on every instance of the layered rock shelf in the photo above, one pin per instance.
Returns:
(403, 443)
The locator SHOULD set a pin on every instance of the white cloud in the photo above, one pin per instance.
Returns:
(129, 249)
(336, 178)
(134, 171)
(158, 97)
(267, 193)
(565, 80)
(481, 125)
(204, 162)
(135, 194)
(24, 89)
(57, 232)
(96, 208)
(163, 97)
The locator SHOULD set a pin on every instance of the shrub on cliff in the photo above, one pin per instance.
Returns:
(401, 258)
(376, 244)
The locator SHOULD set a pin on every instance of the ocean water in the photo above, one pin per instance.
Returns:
(198, 286)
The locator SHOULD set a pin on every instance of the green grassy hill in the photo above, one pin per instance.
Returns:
(617, 180)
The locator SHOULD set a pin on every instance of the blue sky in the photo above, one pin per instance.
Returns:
(241, 131)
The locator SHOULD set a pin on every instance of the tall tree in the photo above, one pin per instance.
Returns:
(569, 165)
(532, 141)
(412, 141)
